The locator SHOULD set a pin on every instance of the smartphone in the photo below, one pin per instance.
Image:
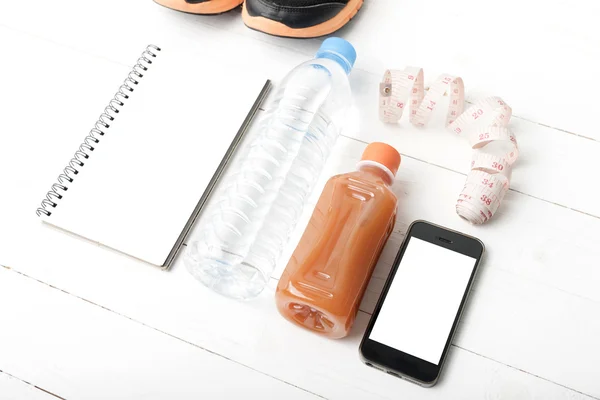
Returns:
(411, 329)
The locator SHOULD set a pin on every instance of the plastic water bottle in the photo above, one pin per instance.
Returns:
(245, 234)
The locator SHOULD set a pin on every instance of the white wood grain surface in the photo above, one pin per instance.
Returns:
(77, 321)
(13, 388)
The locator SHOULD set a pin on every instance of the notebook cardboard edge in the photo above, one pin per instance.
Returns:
(180, 242)
(77, 236)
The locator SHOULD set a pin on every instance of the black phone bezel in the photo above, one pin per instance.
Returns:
(395, 361)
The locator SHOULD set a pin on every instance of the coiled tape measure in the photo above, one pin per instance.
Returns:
(483, 123)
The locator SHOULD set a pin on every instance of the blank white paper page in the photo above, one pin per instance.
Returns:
(141, 184)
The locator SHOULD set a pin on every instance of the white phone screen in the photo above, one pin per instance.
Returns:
(423, 300)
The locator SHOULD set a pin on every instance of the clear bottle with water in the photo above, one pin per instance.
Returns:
(245, 233)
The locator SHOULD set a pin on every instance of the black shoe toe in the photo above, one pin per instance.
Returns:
(296, 14)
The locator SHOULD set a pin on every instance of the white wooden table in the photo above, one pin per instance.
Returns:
(78, 322)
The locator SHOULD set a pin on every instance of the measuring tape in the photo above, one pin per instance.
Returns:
(483, 123)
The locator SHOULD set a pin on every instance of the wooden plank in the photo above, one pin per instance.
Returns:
(530, 243)
(549, 237)
(557, 173)
(78, 350)
(12, 388)
(522, 311)
(494, 60)
(81, 335)
(528, 59)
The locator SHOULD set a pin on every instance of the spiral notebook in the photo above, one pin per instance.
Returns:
(141, 176)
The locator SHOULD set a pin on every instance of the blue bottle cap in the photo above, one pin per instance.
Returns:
(339, 50)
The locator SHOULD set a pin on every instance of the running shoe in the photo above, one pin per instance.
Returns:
(299, 18)
(201, 6)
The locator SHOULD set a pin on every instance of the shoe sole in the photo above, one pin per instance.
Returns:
(208, 7)
(325, 28)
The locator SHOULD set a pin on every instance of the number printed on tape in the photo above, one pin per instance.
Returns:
(484, 122)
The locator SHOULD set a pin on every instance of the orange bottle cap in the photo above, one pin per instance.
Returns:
(383, 154)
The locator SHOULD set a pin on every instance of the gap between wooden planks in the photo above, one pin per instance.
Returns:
(532, 273)
(554, 163)
(494, 378)
(505, 295)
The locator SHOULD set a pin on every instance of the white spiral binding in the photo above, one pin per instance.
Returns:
(90, 142)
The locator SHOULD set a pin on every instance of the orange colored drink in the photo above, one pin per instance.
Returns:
(326, 277)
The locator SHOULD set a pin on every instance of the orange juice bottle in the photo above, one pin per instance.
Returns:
(326, 277)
